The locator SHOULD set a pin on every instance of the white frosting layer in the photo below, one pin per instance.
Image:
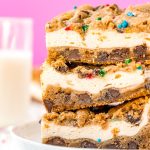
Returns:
(94, 131)
(128, 79)
(96, 39)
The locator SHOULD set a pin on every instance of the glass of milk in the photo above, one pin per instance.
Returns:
(15, 69)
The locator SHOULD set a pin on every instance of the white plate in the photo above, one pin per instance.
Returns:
(27, 137)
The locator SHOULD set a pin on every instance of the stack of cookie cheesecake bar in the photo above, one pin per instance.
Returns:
(95, 80)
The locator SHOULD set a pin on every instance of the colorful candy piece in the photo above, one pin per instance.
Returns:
(124, 24)
(139, 67)
(85, 27)
(68, 28)
(99, 18)
(127, 61)
(75, 7)
(102, 72)
(89, 76)
(99, 140)
(119, 26)
(130, 14)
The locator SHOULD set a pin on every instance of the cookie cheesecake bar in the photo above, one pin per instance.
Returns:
(124, 127)
(96, 78)
(87, 86)
(101, 35)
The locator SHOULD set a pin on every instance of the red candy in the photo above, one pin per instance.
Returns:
(68, 28)
(107, 4)
(89, 76)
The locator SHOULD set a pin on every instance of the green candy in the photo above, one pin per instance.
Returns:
(99, 18)
(85, 27)
(102, 72)
(127, 61)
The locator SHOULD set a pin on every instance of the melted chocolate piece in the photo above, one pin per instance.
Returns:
(84, 98)
(133, 145)
(87, 144)
(102, 56)
(120, 53)
(140, 51)
(56, 141)
(73, 54)
(110, 94)
(48, 104)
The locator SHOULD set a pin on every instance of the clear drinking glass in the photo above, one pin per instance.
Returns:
(15, 69)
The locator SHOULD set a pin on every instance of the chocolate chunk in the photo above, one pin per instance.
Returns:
(140, 51)
(62, 69)
(114, 145)
(56, 141)
(48, 104)
(147, 85)
(132, 145)
(133, 120)
(102, 56)
(120, 54)
(111, 146)
(87, 144)
(73, 54)
(110, 94)
(84, 98)
(67, 98)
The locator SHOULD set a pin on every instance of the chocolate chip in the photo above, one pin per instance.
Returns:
(102, 56)
(140, 51)
(73, 54)
(48, 104)
(110, 94)
(132, 145)
(56, 141)
(120, 53)
(120, 30)
(84, 98)
(87, 144)
(40, 121)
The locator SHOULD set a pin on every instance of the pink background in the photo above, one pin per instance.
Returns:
(43, 10)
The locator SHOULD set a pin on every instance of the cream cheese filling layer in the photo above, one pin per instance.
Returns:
(94, 131)
(128, 80)
(96, 39)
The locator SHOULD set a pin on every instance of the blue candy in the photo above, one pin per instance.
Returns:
(120, 25)
(124, 24)
(130, 14)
